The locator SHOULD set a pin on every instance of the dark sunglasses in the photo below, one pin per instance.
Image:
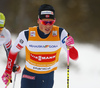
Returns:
(46, 22)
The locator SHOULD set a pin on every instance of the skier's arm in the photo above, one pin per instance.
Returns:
(73, 53)
(7, 47)
(8, 43)
(63, 36)
(17, 46)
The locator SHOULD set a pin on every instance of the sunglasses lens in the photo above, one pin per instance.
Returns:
(46, 22)
(51, 22)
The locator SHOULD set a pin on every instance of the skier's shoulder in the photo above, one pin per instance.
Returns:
(6, 32)
(24, 33)
(60, 28)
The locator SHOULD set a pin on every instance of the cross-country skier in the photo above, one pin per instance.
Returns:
(5, 36)
(42, 44)
(6, 41)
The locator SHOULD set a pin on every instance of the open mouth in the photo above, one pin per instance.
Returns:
(47, 29)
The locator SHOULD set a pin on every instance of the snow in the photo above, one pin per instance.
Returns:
(84, 72)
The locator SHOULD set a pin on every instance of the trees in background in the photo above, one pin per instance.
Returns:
(79, 17)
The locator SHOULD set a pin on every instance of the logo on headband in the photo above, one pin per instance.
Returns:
(47, 12)
(47, 16)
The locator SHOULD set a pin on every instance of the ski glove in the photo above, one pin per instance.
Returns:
(70, 41)
(73, 53)
(7, 78)
(16, 69)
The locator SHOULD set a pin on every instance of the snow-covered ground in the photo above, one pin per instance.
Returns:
(84, 72)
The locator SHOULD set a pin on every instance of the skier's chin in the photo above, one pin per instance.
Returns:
(47, 31)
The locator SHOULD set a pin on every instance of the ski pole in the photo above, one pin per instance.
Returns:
(14, 75)
(14, 81)
(67, 67)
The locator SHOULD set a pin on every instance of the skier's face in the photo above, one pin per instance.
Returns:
(45, 25)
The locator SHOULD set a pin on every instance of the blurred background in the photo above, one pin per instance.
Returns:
(81, 18)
